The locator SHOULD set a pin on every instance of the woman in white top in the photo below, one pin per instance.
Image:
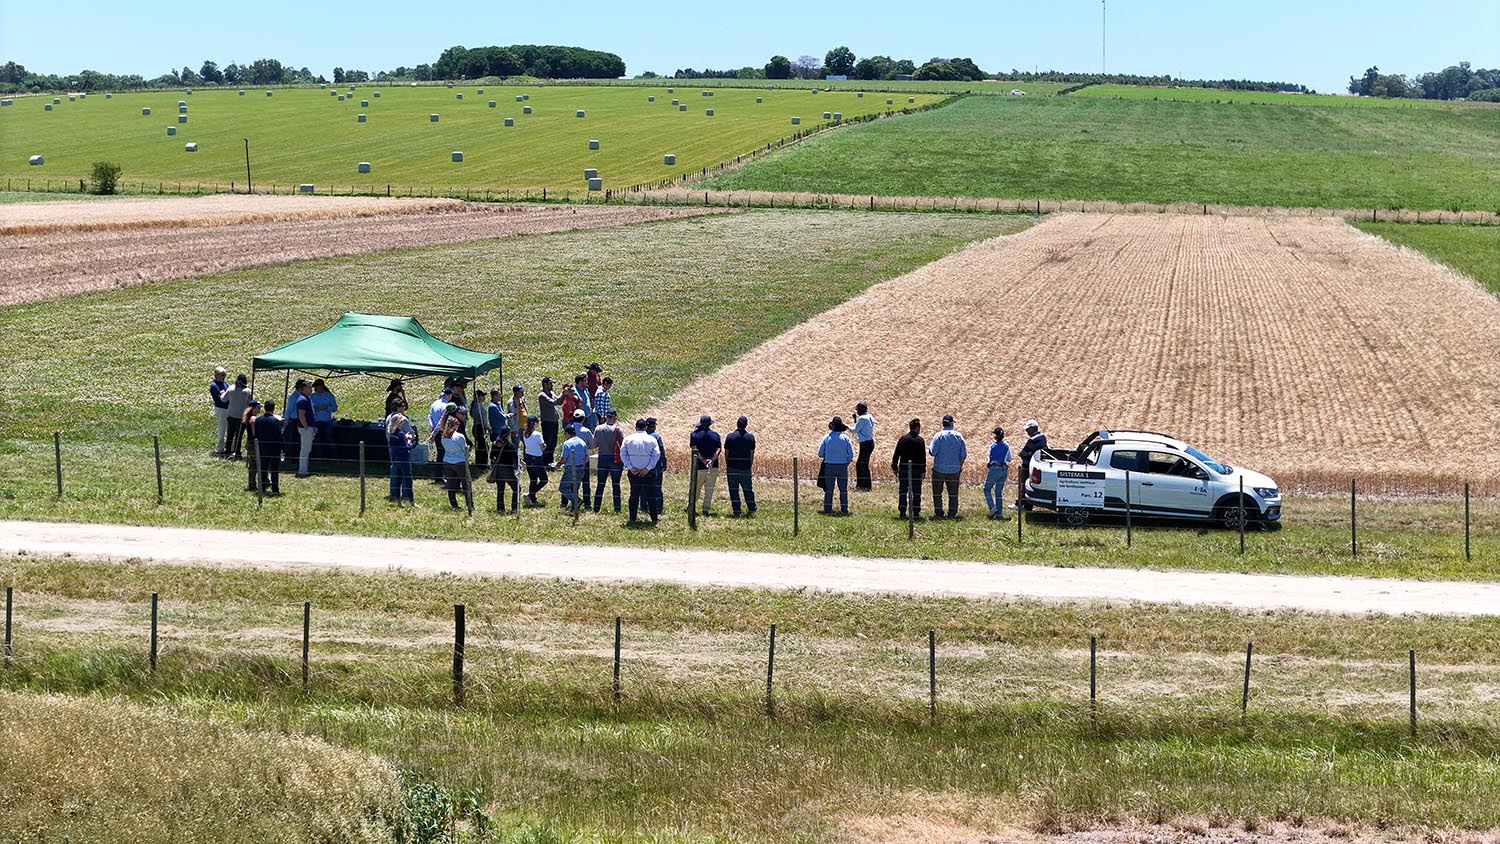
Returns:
(455, 460)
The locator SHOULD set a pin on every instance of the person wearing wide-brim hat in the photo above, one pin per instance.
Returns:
(837, 453)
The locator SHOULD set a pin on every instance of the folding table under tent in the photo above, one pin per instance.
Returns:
(371, 344)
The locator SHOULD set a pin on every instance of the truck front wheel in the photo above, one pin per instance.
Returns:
(1231, 513)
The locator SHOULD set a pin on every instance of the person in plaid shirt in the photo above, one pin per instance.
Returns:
(602, 403)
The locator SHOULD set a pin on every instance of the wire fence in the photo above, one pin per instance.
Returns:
(1409, 520)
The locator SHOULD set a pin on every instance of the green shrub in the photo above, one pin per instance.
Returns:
(106, 176)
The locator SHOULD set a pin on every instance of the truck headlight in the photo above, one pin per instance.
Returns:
(1267, 492)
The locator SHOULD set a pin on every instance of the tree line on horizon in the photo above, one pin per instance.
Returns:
(1454, 82)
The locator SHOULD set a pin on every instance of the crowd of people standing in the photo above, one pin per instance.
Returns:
(577, 432)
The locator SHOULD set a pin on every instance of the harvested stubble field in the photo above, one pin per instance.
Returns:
(61, 249)
(1300, 346)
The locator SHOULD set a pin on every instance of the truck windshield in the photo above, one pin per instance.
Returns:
(1220, 468)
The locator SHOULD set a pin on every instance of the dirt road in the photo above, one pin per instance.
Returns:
(185, 546)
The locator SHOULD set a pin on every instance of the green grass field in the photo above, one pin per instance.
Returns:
(304, 135)
(1472, 250)
(749, 276)
(1209, 95)
(688, 754)
(1139, 150)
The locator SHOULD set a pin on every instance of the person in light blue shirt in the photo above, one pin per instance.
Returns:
(836, 453)
(949, 451)
(999, 472)
(324, 405)
(864, 434)
(574, 460)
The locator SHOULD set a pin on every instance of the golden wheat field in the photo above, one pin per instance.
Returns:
(1299, 346)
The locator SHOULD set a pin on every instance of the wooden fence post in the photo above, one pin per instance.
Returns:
(306, 634)
(10, 597)
(692, 508)
(1242, 515)
(615, 685)
(1353, 530)
(153, 630)
(361, 477)
(1245, 694)
(1411, 657)
(57, 459)
(931, 675)
(796, 499)
(1093, 677)
(156, 447)
(771, 674)
(1466, 521)
(1129, 527)
(458, 654)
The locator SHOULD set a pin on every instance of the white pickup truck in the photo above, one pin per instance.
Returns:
(1156, 475)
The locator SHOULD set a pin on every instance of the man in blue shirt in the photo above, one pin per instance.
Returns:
(575, 465)
(216, 390)
(994, 479)
(301, 418)
(705, 442)
(739, 460)
(949, 451)
(836, 453)
(864, 434)
(324, 405)
(661, 465)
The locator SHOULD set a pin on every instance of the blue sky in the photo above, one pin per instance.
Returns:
(1319, 43)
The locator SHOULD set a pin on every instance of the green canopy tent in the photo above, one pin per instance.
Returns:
(371, 344)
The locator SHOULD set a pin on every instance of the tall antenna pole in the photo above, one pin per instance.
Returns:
(1103, 35)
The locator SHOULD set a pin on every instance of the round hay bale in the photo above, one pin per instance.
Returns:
(593, 143)
(669, 159)
(450, 84)
(480, 91)
(268, 93)
(182, 118)
(341, 97)
(145, 112)
(36, 161)
(364, 167)
(528, 96)
(432, 118)
(519, 98)
(796, 120)
(827, 115)
(596, 184)
(525, 109)
(47, 107)
(671, 91)
(760, 99)
(242, 92)
(510, 121)
(890, 101)
(190, 147)
(590, 173)
(376, 95)
(458, 96)
(112, 96)
(305, 188)
(171, 130)
(837, 116)
(674, 102)
(458, 155)
(364, 103)
(57, 100)
(911, 99)
(359, 119)
(333, 93)
(579, 113)
(72, 99)
(860, 95)
(682, 107)
(708, 112)
(5, 102)
(492, 103)
(182, 109)
(651, 99)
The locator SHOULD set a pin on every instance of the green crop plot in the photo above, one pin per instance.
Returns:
(308, 136)
(1210, 95)
(1472, 250)
(1144, 151)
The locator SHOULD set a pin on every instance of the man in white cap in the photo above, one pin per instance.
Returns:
(1035, 442)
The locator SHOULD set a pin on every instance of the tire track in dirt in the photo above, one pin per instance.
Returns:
(1300, 346)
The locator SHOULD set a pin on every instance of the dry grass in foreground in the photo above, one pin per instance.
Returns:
(78, 769)
(1299, 346)
(156, 240)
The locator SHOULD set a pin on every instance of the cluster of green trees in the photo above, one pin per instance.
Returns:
(543, 61)
(1154, 81)
(841, 61)
(1454, 82)
(15, 78)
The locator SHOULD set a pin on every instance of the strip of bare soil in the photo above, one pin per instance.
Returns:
(154, 243)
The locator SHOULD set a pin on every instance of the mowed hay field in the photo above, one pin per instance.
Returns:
(304, 135)
(1300, 346)
(1330, 156)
